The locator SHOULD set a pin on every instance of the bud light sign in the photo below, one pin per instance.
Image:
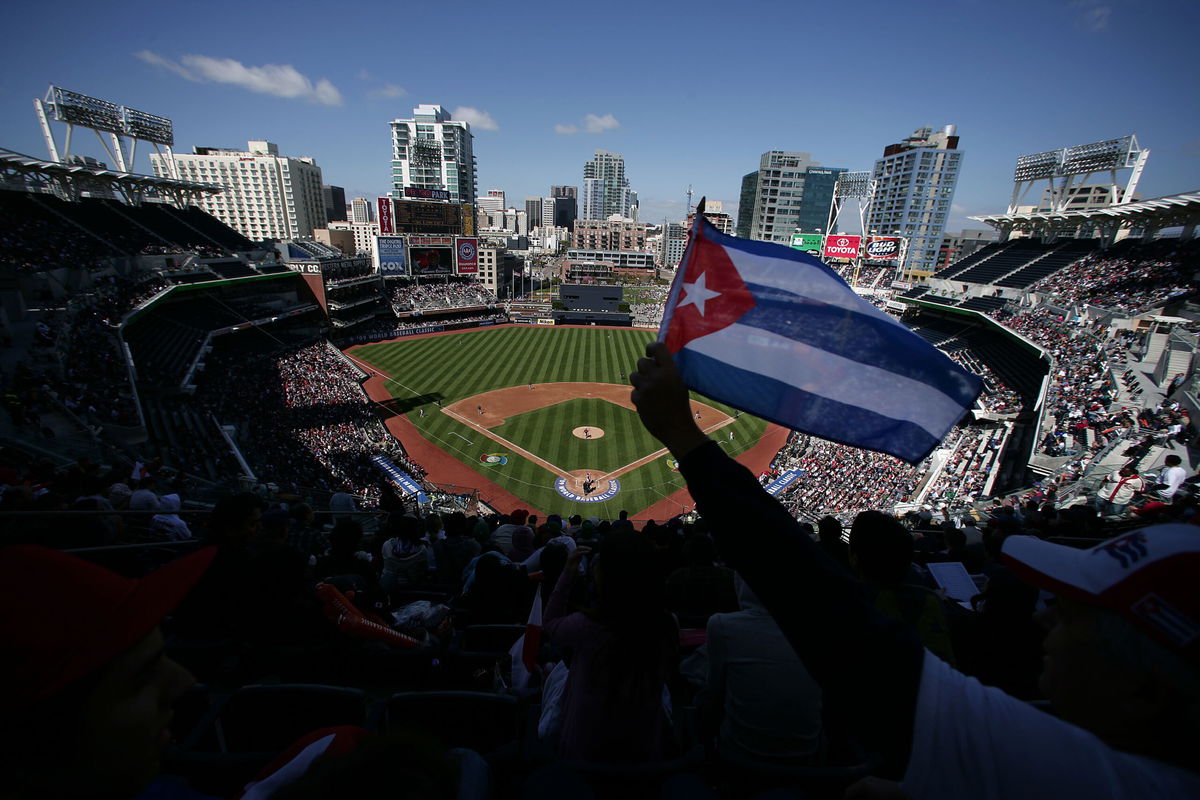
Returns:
(883, 248)
(844, 247)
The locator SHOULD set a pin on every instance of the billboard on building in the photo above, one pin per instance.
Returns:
(390, 255)
(808, 242)
(843, 247)
(883, 248)
(467, 256)
(426, 194)
(385, 215)
(468, 219)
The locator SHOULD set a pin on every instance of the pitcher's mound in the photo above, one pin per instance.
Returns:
(588, 433)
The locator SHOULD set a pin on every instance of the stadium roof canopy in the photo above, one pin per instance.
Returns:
(68, 181)
(1149, 215)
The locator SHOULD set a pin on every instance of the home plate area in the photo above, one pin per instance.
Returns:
(584, 486)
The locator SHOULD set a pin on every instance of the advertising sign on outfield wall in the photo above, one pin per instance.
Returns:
(808, 242)
(390, 254)
(467, 256)
(844, 247)
(385, 216)
(883, 248)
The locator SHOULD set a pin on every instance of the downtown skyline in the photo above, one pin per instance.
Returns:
(709, 92)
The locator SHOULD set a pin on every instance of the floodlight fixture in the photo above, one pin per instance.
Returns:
(853, 184)
(1038, 166)
(1097, 156)
(147, 127)
(80, 109)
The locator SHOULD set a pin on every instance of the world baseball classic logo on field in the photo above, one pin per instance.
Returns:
(496, 459)
(614, 486)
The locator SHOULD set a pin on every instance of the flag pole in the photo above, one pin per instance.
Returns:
(680, 271)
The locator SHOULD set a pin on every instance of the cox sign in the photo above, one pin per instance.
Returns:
(842, 246)
(883, 248)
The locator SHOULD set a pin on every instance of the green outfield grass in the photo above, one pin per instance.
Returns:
(547, 433)
(452, 367)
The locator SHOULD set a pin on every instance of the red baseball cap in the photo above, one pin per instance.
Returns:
(1147, 575)
(65, 617)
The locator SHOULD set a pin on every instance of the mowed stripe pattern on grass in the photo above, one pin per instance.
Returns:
(451, 367)
(548, 433)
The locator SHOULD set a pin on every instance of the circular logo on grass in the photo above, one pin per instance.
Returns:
(614, 486)
(499, 459)
(673, 464)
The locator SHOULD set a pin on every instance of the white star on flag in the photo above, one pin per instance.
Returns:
(697, 294)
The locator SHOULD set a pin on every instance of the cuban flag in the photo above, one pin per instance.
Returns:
(775, 332)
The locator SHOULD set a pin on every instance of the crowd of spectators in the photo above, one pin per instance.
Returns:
(840, 480)
(1131, 284)
(387, 328)
(996, 397)
(303, 419)
(433, 296)
(32, 242)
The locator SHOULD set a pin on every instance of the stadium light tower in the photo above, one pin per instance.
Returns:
(124, 127)
(1070, 167)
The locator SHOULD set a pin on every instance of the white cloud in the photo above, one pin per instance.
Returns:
(595, 124)
(592, 123)
(280, 80)
(388, 90)
(1093, 15)
(475, 118)
(165, 63)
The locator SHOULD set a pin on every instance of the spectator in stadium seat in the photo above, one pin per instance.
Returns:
(1170, 477)
(212, 611)
(344, 556)
(1127, 693)
(881, 554)
(405, 556)
(768, 705)
(453, 553)
(620, 655)
(502, 536)
(1117, 490)
(87, 690)
(829, 533)
(168, 525)
(700, 587)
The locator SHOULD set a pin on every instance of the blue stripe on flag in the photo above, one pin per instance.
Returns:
(865, 338)
(796, 408)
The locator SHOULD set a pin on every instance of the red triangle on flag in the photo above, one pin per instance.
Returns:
(713, 295)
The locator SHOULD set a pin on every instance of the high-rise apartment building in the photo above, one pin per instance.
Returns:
(434, 152)
(491, 202)
(335, 203)
(673, 243)
(267, 196)
(605, 189)
(533, 211)
(790, 192)
(566, 207)
(914, 187)
(617, 233)
(362, 210)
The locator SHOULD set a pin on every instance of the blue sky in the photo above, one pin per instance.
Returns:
(689, 93)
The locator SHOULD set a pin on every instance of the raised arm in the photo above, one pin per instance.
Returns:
(868, 664)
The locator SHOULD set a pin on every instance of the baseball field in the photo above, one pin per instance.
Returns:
(543, 413)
